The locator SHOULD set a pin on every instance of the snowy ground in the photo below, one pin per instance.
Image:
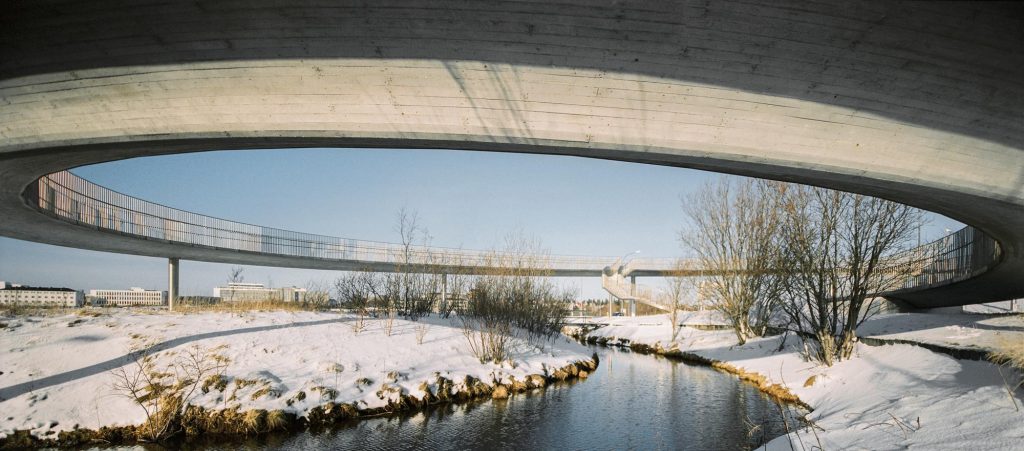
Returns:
(953, 330)
(887, 397)
(56, 372)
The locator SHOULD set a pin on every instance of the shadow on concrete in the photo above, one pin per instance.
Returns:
(816, 52)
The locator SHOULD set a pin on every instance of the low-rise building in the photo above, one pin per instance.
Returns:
(255, 292)
(11, 294)
(129, 297)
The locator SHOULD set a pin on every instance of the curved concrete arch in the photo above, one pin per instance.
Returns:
(915, 102)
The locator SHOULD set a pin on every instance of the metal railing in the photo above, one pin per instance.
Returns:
(74, 199)
(960, 255)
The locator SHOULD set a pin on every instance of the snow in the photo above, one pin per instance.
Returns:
(56, 372)
(952, 330)
(886, 397)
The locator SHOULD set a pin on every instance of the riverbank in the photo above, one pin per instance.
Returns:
(62, 377)
(886, 397)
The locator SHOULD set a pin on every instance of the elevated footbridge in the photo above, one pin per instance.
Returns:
(916, 102)
(130, 225)
(127, 224)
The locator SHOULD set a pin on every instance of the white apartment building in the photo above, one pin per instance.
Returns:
(40, 296)
(252, 292)
(131, 296)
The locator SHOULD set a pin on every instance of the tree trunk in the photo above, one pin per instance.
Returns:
(742, 331)
(846, 345)
(826, 348)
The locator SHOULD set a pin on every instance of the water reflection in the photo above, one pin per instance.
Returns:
(632, 402)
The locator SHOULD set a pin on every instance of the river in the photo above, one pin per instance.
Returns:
(632, 401)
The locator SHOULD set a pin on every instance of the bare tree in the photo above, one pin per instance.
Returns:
(317, 295)
(355, 290)
(234, 276)
(839, 251)
(675, 295)
(733, 232)
(412, 290)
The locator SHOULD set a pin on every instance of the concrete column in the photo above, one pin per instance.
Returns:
(172, 282)
(444, 292)
(632, 293)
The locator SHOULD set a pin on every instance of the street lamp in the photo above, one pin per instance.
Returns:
(622, 259)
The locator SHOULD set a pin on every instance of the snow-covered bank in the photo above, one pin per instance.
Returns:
(886, 397)
(57, 373)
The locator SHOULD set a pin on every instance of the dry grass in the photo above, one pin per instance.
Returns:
(12, 310)
(265, 391)
(254, 420)
(216, 381)
(326, 393)
(162, 391)
(184, 306)
(301, 395)
(810, 381)
(1008, 352)
(277, 420)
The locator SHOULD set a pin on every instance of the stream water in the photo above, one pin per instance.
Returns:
(632, 401)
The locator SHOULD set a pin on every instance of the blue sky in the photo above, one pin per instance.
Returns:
(465, 199)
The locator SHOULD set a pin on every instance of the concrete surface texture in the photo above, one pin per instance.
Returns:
(919, 103)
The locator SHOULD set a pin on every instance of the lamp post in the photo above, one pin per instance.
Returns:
(632, 287)
(622, 260)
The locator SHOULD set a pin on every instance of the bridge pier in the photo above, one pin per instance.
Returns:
(172, 281)
(632, 293)
(444, 292)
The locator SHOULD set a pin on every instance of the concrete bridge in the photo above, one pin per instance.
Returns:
(919, 103)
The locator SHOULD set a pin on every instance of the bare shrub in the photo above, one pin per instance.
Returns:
(388, 321)
(517, 297)
(488, 341)
(421, 332)
(358, 325)
(163, 392)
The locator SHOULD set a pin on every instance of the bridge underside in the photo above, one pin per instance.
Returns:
(919, 103)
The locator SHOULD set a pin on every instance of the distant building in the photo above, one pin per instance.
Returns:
(252, 292)
(131, 296)
(39, 296)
